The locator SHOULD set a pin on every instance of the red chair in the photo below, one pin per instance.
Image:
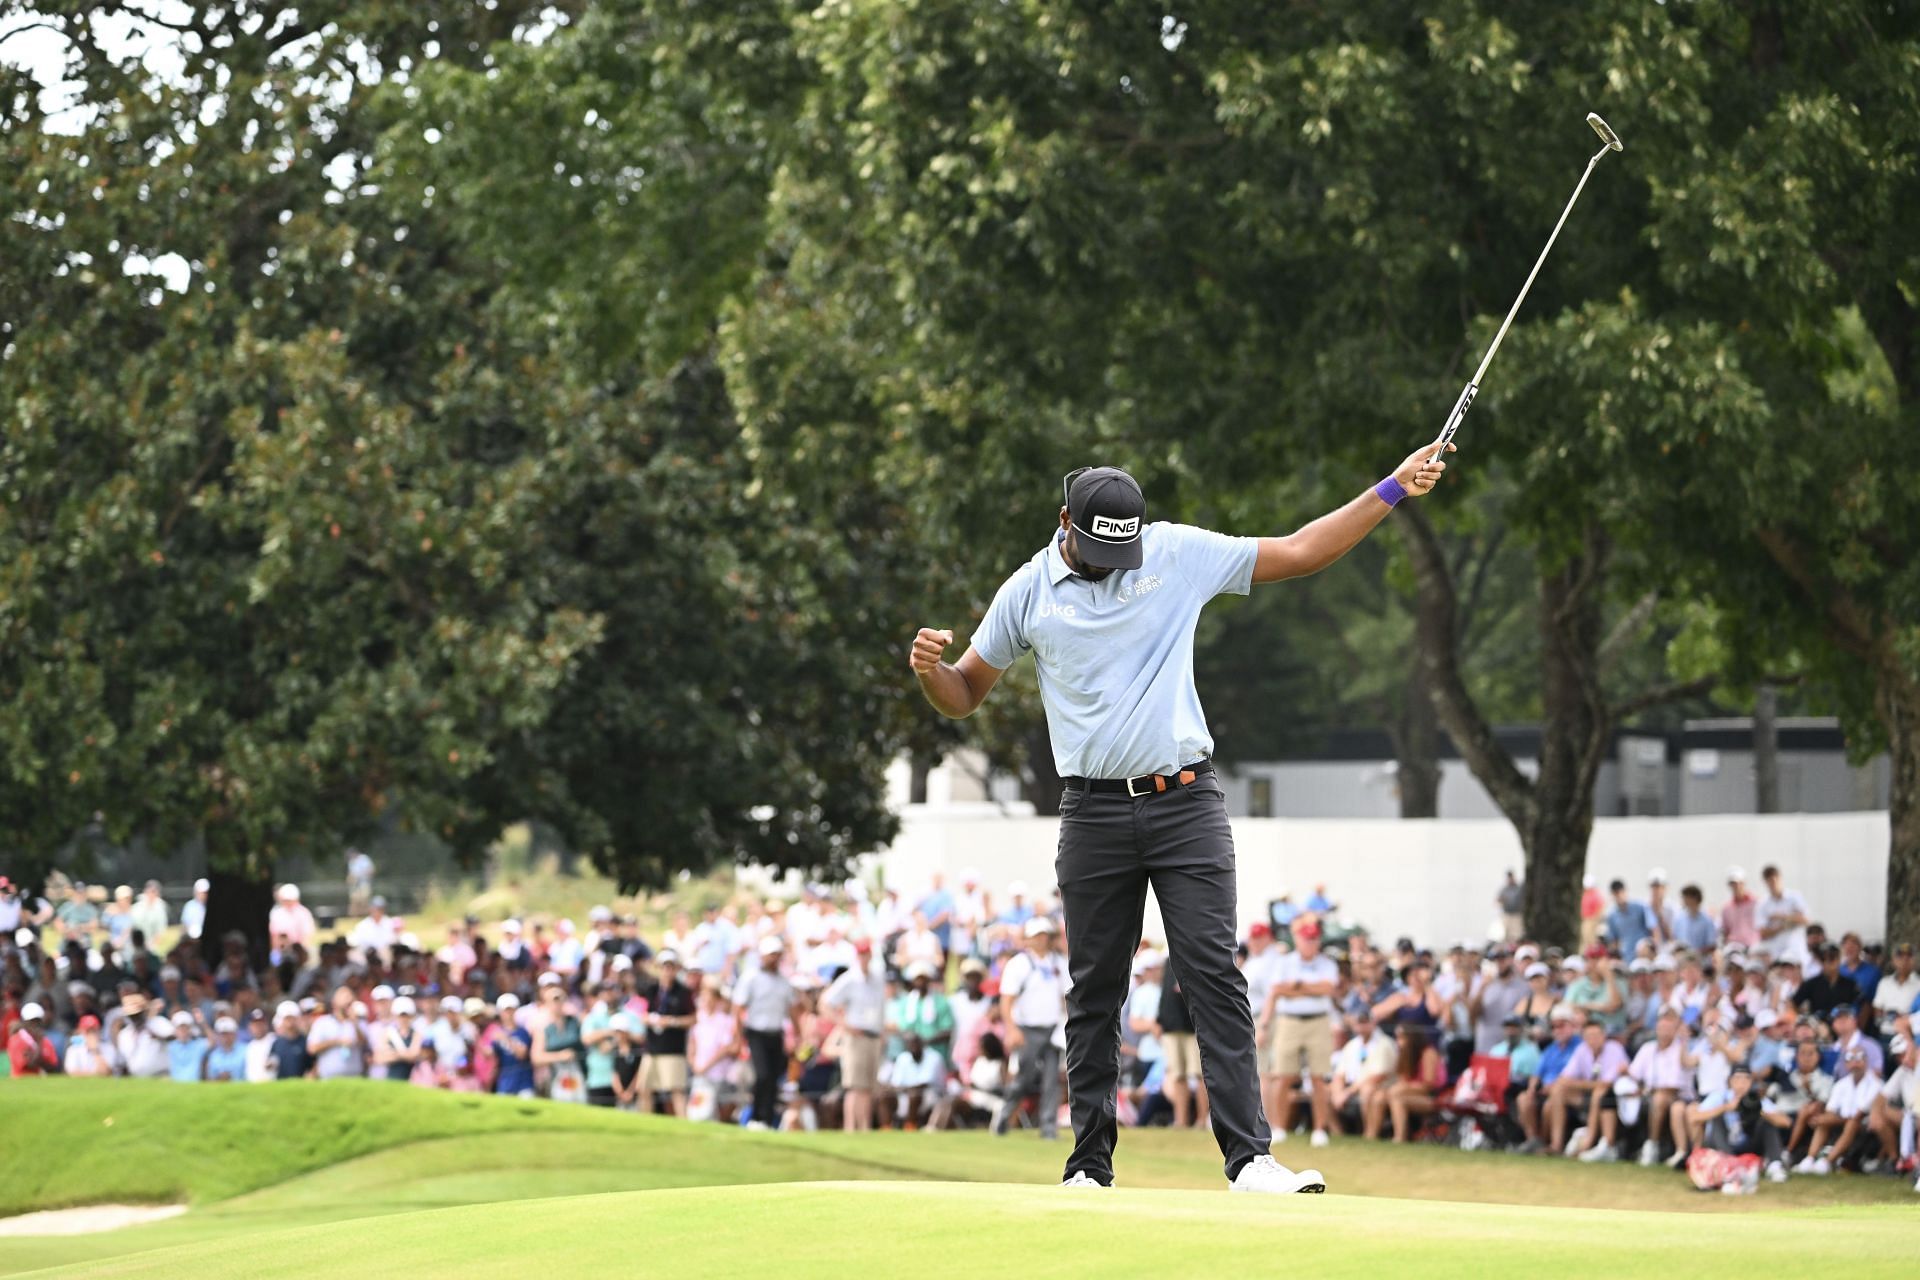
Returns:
(1477, 1103)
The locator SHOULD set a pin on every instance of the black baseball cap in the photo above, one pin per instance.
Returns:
(1108, 511)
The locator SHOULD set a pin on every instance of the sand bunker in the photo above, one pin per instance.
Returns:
(86, 1221)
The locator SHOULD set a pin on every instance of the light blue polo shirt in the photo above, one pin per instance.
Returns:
(1116, 656)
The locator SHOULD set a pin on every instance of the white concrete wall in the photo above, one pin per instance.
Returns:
(1435, 880)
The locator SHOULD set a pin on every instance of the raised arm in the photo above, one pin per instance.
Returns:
(956, 689)
(1314, 546)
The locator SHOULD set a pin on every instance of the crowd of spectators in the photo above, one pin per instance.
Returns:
(1741, 1031)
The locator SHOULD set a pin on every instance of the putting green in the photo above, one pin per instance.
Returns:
(942, 1229)
(361, 1161)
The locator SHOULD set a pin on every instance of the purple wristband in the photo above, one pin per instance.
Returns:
(1389, 491)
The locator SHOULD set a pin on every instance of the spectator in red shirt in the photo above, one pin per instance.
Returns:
(29, 1051)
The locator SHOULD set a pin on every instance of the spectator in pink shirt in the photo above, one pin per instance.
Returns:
(1738, 926)
(1587, 1086)
(289, 920)
(1660, 1068)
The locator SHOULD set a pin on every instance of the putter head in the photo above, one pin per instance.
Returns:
(1607, 135)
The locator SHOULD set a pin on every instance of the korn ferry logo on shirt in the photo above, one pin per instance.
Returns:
(1110, 527)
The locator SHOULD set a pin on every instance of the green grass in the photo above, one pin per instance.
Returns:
(932, 1230)
(260, 1165)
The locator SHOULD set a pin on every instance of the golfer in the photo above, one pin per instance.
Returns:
(1108, 609)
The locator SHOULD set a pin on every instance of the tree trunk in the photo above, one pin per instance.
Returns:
(1576, 733)
(1417, 752)
(917, 785)
(1766, 750)
(1553, 812)
(1901, 708)
(236, 903)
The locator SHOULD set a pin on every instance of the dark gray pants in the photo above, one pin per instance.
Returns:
(1111, 848)
(1038, 1077)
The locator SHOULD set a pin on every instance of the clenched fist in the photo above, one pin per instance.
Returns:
(927, 648)
(1417, 475)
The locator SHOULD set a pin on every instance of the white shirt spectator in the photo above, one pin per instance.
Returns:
(82, 1061)
(1039, 989)
(1260, 974)
(861, 996)
(260, 1065)
(1145, 1003)
(919, 946)
(928, 1071)
(374, 934)
(1902, 1089)
(969, 914)
(1292, 969)
(566, 955)
(831, 955)
(341, 1060)
(1853, 1098)
(193, 917)
(1657, 1068)
(1359, 1058)
(1713, 1071)
(1792, 944)
(293, 922)
(1895, 998)
(142, 1051)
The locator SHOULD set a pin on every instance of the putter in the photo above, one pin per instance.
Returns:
(1610, 142)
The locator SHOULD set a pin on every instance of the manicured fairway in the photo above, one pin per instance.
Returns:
(395, 1180)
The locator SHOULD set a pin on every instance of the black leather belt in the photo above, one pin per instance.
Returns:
(1144, 784)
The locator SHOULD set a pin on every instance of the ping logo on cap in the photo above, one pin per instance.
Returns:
(1109, 527)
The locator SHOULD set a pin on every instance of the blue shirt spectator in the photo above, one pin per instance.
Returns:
(1554, 1059)
(516, 1071)
(1523, 1058)
(1628, 922)
(186, 1055)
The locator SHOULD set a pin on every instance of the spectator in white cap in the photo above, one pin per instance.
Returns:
(1739, 924)
(193, 914)
(226, 1061)
(629, 1057)
(29, 1050)
(187, 1054)
(397, 1051)
(291, 1060)
(259, 1047)
(923, 1009)
(290, 923)
(1033, 1005)
(763, 1000)
(512, 1048)
(1845, 1115)
(513, 951)
(566, 954)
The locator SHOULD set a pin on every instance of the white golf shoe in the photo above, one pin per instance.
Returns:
(1081, 1179)
(1319, 1138)
(1266, 1175)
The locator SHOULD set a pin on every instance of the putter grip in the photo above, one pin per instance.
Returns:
(1460, 407)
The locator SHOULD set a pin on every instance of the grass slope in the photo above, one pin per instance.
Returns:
(932, 1229)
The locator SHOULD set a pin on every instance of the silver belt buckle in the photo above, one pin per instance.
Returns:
(1137, 794)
